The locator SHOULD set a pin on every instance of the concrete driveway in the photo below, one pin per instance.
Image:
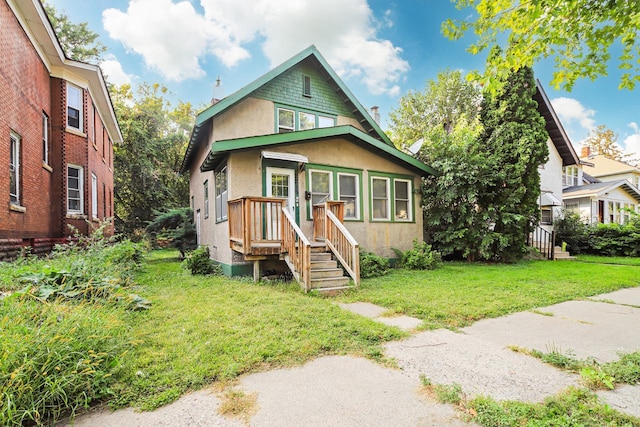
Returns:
(348, 391)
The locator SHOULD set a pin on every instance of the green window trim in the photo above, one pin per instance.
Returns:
(336, 172)
(393, 201)
(320, 117)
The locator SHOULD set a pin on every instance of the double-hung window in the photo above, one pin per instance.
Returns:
(206, 199)
(321, 186)
(74, 189)
(348, 188)
(94, 196)
(286, 120)
(14, 169)
(221, 194)
(45, 139)
(391, 199)
(74, 107)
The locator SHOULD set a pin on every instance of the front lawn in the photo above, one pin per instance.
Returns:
(460, 293)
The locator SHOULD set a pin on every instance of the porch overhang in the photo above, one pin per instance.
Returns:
(221, 149)
(548, 199)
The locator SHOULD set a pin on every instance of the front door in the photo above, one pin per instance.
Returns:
(281, 183)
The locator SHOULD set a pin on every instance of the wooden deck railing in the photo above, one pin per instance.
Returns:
(343, 246)
(320, 217)
(255, 225)
(298, 249)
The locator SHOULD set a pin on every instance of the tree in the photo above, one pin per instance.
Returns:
(604, 141)
(77, 40)
(578, 34)
(514, 145)
(146, 164)
(177, 225)
(443, 103)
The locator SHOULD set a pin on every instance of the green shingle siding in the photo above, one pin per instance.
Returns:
(287, 89)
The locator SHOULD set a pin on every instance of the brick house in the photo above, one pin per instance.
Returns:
(57, 130)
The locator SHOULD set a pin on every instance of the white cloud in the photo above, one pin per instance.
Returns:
(632, 142)
(113, 72)
(174, 38)
(577, 120)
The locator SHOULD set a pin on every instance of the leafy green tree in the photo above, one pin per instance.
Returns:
(146, 164)
(177, 225)
(514, 145)
(444, 101)
(77, 40)
(578, 34)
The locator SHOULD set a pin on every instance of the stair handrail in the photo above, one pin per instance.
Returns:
(544, 241)
(298, 248)
(343, 245)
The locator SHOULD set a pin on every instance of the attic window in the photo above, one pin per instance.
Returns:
(306, 86)
(285, 120)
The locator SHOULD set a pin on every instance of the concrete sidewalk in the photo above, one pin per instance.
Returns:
(348, 391)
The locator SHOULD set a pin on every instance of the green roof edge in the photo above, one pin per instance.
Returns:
(220, 147)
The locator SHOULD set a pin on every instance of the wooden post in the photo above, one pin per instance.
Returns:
(256, 270)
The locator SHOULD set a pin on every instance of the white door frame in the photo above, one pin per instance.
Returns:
(291, 173)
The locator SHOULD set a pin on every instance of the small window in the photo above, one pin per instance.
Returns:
(402, 199)
(326, 122)
(321, 186)
(306, 86)
(14, 169)
(285, 120)
(221, 194)
(45, 139)
(380, 198)
(206, 199)
(74, 107)
(74, 190)
(546, 215)
(306, 121)
(94, 196)
(348, 188)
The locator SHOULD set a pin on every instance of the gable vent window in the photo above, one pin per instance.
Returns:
(306, 86)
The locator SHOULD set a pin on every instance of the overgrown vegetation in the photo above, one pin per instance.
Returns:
(65, 333)
(199, 262)
(372, 265)
(176, 226)
(420, 257)
(600, 239)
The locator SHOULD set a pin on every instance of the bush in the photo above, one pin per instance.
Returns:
(372, 265)
(199, 262)
(570, 228)
(421, 257)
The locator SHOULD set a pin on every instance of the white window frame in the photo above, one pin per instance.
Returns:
(569, 176)
(313, 120)
(357, 194)
(387, 198)
(326, 172)
(544, 209)
(76, 104)
(321, 118)
(222, 194)
(14, 167)
(206, 198)
(94, 196)
(409, 200)
(45, 138)
(80, 190)
(286, 128)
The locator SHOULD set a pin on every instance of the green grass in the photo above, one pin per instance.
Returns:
(204, 329)
(458, 294)
(609, 260)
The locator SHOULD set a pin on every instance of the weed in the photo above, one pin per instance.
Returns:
(425, 381)
(420, 257)
(448, 393)
(596, 379)
(557, 358)
(626, 369)
(237, 404)
(372, 265)
(199, 262)
(542, 312)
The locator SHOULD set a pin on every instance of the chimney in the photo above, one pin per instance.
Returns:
(376, 114)
(586, 151)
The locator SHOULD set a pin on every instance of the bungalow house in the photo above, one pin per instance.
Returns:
(606, 169)
(293, 164)
(57, 130)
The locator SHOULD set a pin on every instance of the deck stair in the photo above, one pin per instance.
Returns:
(326, 275)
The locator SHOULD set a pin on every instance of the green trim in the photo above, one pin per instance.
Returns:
(204, 116)
(231, 270)
(392, 197)
(296, 116)
(221, 148)
(335, 190)
(283, 164)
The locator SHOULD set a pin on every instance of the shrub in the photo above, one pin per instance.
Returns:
(421, 257)
(199, 262)
(372, 265)
(570, 228)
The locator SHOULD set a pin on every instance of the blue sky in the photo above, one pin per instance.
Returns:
(380, 49)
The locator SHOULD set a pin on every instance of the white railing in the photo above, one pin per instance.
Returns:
(298, 249)
(343, 245)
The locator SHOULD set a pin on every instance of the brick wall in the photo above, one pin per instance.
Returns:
(24, 96)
